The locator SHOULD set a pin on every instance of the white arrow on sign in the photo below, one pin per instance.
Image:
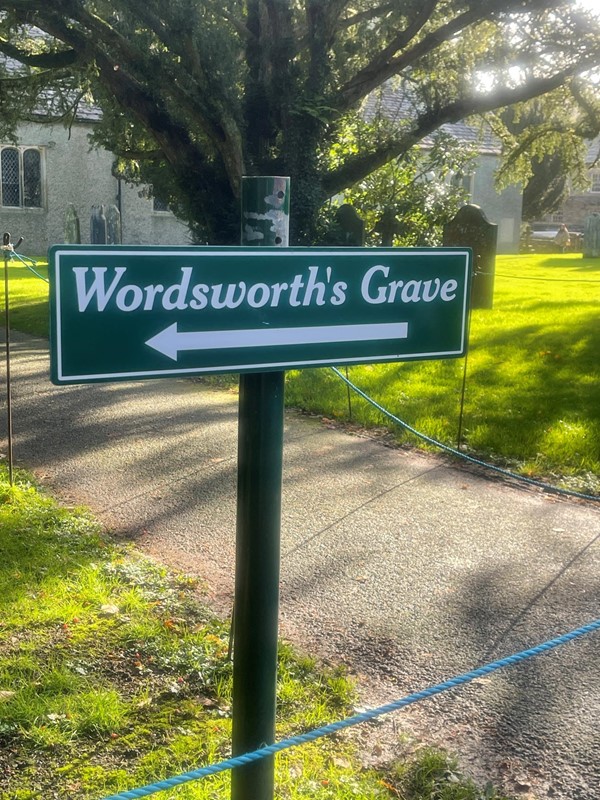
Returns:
(171, 342)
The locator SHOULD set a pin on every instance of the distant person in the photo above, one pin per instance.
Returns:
(563, 238)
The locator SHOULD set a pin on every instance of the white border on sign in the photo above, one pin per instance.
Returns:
(241, 253)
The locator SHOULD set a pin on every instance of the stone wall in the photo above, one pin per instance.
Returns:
(577, 208)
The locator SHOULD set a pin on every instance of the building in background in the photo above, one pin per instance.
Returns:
(504, 207)
(581, 202)
(51, 167)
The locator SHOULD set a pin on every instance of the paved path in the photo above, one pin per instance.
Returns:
(406, 568)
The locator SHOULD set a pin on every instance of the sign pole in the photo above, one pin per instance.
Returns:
(265, 222)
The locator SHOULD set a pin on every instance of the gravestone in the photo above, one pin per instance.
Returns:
(591, 236)
(471, 228)
(113, 225)
(350, 228)
(388, 226)
(72, 227)
(98, 225)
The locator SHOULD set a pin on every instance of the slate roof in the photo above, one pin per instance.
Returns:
(395, 105)
(86, 112)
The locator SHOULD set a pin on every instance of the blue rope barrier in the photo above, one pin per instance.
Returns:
(26, 265)
(357, 719)
(545, 280)
(453, 451)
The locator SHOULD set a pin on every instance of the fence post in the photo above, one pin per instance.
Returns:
(6, 245)
(349, 231)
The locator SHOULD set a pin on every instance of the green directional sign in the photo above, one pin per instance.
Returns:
(122, 313)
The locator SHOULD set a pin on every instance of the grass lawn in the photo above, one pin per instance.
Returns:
(113, 675)
(533, 376)
(28, 298)
(533, 379)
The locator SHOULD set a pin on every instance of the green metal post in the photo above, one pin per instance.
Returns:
(265, 222)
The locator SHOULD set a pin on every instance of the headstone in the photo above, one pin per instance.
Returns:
(388, 226)
(98, 225)
(591, 236)
(72, 228)
(471, 228)
(113, 225)
(350, 228)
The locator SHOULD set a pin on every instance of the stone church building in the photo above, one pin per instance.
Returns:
(52, 167)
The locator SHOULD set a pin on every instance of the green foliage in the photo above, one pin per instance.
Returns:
(417, 195)
(545, 145)
(196, 94)
(434, 775)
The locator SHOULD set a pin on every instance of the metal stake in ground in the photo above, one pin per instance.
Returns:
(265, 222)
(7, 249)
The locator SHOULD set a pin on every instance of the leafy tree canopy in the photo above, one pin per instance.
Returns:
(546, 141)
(409, 200)
(196, 93)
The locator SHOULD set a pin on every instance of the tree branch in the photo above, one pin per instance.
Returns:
(163, 31)
(238, 24)
(139, 155)
(100, 30)
(356, 168)
(342, 24)
(128, 92)
(590, 110)
(127, 75)
(380, 69)
(203, 104)
(366, 16)
(407, 35)
(334, 11)
(60, 60)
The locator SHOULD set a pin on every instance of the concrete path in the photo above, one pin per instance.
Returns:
(405, 567)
